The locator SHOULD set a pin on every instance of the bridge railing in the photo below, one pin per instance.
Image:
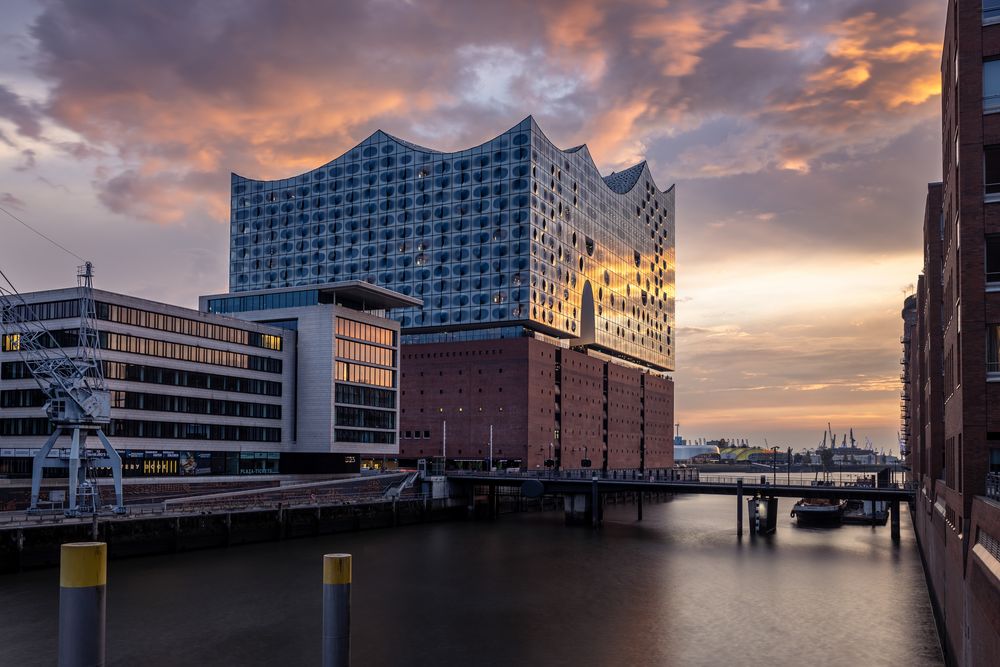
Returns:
(660, 475)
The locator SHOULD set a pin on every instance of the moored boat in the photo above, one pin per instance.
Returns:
(818, 511)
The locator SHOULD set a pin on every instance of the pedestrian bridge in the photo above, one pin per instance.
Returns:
(584, 490)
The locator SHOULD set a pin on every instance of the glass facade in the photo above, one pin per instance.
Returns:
(369, 396)
(131, 400)
(243, 304)
(118, 370)
(137, 317)
(132, 428)
(365, 355)
(514, 232)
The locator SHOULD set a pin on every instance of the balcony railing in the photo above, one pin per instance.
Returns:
(993, 485)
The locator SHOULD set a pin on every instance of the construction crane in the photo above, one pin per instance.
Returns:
(78, 402)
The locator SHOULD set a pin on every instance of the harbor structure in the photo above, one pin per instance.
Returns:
(952, 352)
(510, 241)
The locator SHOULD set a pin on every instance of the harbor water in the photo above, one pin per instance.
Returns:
(675, 589)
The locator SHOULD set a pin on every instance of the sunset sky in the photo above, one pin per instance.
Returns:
(801, 136)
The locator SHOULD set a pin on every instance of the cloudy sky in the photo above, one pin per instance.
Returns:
(801, 135)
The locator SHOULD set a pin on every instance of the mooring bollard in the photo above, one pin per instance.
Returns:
(83, 571)
(336, 610)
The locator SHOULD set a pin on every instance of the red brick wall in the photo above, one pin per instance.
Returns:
(982, 586)
(512, 384)
(582, 414)
(470, 385)
(541, 404)
(624, 417)
(659, 411)
(965, 298)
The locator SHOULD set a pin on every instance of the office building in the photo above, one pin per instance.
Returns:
(347, 362)
(200, 393)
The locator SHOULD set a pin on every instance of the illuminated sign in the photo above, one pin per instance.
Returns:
(159, 467)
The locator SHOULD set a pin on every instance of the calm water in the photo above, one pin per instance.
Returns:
(675, 589)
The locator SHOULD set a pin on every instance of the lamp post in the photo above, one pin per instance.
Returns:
(444, 447)
(491, 448)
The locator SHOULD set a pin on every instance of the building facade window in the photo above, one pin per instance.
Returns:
(365, 332)
(11, 343)
(242, 304)
(991, 171)
(356, 373)
(993, 258)
(365, 353)
(993, 350)
(365, 396)
(991, 11)
(991, 85)
(128, 428)
(364, 418)
(366, 437)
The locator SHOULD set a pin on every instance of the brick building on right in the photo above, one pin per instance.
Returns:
(952, 347)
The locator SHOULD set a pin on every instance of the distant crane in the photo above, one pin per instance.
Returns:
(78, 400)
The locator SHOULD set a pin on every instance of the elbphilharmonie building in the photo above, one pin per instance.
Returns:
(511, 238)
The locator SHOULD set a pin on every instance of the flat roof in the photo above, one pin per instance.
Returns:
(359, 293)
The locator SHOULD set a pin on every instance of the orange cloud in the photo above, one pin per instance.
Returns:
(676, 39)
(774, 39)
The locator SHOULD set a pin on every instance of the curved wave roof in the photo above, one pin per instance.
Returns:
(620, 182)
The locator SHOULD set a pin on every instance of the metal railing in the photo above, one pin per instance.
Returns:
(662, 475)
(772, 478)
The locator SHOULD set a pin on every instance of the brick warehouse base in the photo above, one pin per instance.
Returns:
(542, 400)
(967, 606)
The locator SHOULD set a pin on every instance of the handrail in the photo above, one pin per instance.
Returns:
(661, 475)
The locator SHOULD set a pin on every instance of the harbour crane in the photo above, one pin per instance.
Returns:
(78, 402)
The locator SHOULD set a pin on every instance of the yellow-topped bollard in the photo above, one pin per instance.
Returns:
(83, 575)
(336, 610)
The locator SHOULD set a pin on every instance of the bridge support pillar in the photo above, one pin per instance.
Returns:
(739, 509)
(576, 507)
(894, 510)
(595, 504)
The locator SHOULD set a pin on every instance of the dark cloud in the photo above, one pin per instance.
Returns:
(10, 201)
(28, 160)
(23, 115)
(266, 87)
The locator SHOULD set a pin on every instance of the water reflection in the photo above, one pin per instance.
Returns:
(675, 589)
